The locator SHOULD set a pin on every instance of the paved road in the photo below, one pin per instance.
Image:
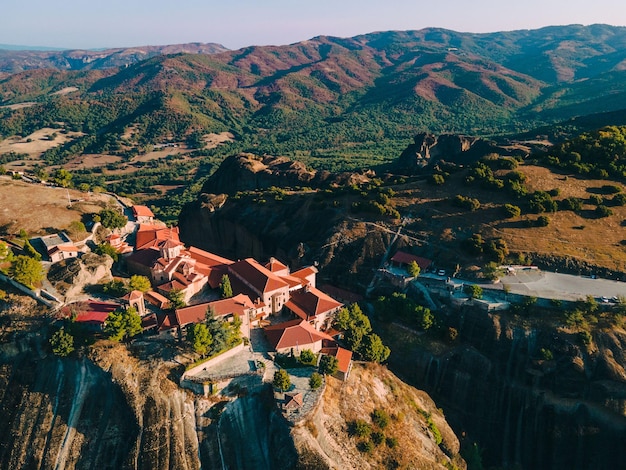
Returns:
(549, 285)
(561, 286)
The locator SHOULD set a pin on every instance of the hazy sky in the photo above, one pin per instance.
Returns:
(239, 23)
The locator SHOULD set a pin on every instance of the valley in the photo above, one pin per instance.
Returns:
(447, 208)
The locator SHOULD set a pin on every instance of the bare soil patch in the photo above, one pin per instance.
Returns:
(39, 209)
(36, 143)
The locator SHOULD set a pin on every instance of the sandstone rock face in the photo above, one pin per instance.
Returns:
(569, 413)
(429, 149)
(248, 172)
(70, 276)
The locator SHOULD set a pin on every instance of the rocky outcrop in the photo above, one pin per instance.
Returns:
(565, 413)
(249, 172)
(70, 276)
(422, 437)
(429, 149)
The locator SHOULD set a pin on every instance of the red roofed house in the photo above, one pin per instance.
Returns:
(294, 336)
(344, 358)
(152, 235)
(135, 299)
(403, 259)
(90, 313)
(226, 309)
(293, 401)
(143, 214)
(59, 247)
(260, 283)
(115, 240)
(307, 274)
(314, 306)
(277, 267)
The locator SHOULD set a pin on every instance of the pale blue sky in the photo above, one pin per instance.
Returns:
(239, 23)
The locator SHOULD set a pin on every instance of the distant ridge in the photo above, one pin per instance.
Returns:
(15, 47)
(15, 59)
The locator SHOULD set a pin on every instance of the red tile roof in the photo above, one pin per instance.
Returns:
(156, 299)
(237, 305)
(151, 235)
(166, 321)
(305, 272)
(275, 266)
(205, 257)
(293, 400)
(91, 311)
(142, 211)
(260, 278)
(309, 302)
(344, 357)
(406, 258)
(341, 294)
(294, 333)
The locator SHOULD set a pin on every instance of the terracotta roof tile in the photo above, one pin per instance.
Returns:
(238, 305)
(294, 333)
(406, 258)
(311, 302)
(142, 211)
(207, 258)
(261, 279)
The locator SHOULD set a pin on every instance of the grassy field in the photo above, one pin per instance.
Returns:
(39, 209)
(580, 235)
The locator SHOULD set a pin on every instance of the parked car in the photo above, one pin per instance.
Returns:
(441, 272)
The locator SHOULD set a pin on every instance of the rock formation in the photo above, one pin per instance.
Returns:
(429, 149)
(70, 276)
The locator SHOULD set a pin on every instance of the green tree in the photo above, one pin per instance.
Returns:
(6, 254)
(372, 349)
(307, 357)
(123, 324)
(474, 291)
(354, 323)
(140, 283)
(115, 288)
(200, 339)
(112, 219)
(315, 381)
(26, 270)
(62, 343)
(29, 250)
(226, 291)
(107, 249)
(176, 298)
(424, 317)
(281, 380)
(62, 178)
(328, 365)
(414, 269)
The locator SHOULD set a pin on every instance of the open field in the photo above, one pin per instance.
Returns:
(34, 145)
(579, 235)
(39, 209)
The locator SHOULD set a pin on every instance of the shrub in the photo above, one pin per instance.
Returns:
(360, 428)
(451, 334)
(307, 357)
(378, 438)
(473, 291)
(546, 354)
(391, 442)
(512, 211)
(315, 381)
(328, 365)
(62, 343)
(437, 179)
(380, 418)
(603, 211)
(366, 447)
(281, 380)
(542, 221)
(585, 338)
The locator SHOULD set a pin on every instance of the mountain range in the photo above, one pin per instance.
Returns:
(327, 98)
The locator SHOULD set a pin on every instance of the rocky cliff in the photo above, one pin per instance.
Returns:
(113, 406)
(568, 412)
(429, 149)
